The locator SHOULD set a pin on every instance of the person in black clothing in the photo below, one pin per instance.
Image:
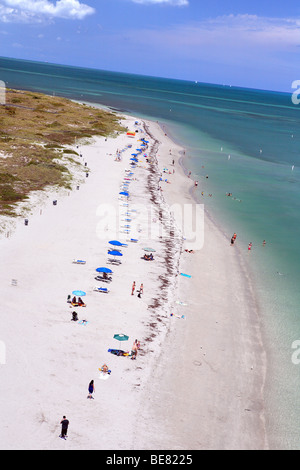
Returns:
(64, 427)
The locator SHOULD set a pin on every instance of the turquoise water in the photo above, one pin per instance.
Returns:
(247, 142)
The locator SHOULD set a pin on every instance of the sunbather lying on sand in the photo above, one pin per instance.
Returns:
(104, 369)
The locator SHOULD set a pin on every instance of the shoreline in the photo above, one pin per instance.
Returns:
(245, 440)
(166, 404)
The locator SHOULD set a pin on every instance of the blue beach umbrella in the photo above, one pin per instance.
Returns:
(104, 270)
(114, 253)
(124, 193)
(79, 293)
(117, 243)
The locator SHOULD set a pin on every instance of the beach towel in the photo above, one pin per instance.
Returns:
(118, 352)
(177, 316)
(104, 375)
(101, 289)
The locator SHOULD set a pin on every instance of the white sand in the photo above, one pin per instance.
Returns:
(196, 383)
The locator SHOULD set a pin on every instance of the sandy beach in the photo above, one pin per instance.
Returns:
(197, 381)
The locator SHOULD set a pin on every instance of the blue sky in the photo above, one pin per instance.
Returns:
(243, 43)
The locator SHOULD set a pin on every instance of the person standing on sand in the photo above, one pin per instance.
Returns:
(133, 288)
(141, 291)
(64, 427)
(134, 350)
(249, 246)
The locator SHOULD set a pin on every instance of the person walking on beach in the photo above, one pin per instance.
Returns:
(249, 246)
(64, 427)
(134, 350)
(91, 389)
(133, 288)
(141, 291)
(233, 238)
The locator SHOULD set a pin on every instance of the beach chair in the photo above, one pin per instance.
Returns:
(103, 279)
(114, 261)
(104, 290)
(76, 304)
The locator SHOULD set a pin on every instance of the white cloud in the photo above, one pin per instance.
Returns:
(227, 33)
(26, 11)
(178, 3)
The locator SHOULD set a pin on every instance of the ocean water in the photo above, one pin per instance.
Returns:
(240, 141)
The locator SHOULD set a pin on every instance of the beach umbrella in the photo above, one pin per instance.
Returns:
(79, 293)
(134, 159)
(114, 253)
(150, 249)
(104, 270)
(116, 243)
(121, 337)
(124, 193)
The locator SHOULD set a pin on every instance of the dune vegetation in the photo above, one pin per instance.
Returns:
(36, 131)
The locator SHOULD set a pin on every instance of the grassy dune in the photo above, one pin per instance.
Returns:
(34, 128)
